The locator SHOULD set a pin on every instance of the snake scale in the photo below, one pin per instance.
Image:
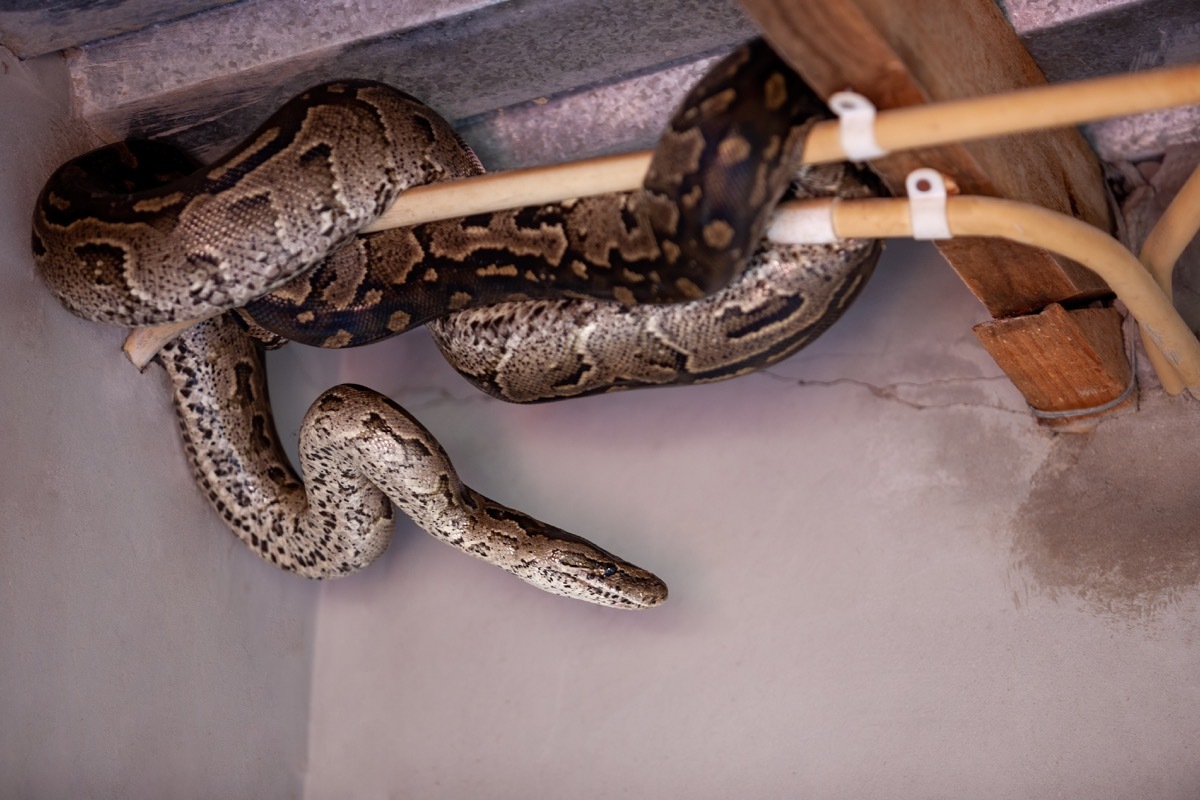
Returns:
(666, 285)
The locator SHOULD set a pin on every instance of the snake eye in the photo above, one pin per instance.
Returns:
(610, 570)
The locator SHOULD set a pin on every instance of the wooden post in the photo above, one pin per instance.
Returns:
(1063, 361)
(907, 52)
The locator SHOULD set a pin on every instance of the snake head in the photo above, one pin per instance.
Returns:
(565, 564)
(599, 577)
(559, 562)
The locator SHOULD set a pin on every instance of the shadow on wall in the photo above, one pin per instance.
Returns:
(1113, 518)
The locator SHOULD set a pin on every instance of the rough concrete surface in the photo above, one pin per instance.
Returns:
(886, 581)
(1112, 517)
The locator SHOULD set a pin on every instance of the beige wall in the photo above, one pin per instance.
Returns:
(142, 655)
(886, 581)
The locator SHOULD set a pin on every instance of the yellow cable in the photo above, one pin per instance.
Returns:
(916, 126)
(986, 216)
(1040, 227)
(1054, 106)
(1174, 232)
(895, 130)
(1171, 235)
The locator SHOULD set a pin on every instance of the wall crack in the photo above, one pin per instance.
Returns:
(893, 392)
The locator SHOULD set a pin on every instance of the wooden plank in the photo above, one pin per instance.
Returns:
(1063, 360)
(904, 52)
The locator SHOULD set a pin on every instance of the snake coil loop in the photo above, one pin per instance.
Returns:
(531, 304)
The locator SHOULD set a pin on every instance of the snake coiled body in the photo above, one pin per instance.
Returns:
(135, 234)
(119, 246)
(554, 349)
(716, 174)
(357, 450)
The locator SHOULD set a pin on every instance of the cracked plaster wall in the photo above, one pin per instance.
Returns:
(886, 581)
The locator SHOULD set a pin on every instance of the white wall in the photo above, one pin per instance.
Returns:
(142, 654)
(886, 582)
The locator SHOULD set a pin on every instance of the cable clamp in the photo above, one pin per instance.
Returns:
(927, 204)
(856, 126)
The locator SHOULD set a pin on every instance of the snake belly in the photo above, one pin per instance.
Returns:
(359, 453)
(554, 349)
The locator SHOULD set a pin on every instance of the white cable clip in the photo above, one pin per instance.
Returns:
(927, 204)
(856, 126)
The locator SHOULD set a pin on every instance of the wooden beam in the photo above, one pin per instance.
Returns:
(907, 52)
(1064, 361)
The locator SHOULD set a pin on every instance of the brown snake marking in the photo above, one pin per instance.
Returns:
(717, 172)
(116, 245)
(136, 234)
(553, 349)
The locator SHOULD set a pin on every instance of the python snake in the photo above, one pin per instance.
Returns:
(553, 349)
(137, 234)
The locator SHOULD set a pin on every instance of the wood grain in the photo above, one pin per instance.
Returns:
(1062, 360)
(905, 52)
